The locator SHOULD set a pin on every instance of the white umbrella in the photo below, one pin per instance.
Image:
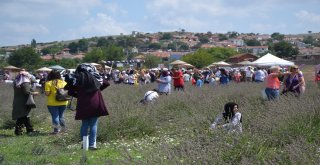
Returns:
(12, 68)
(188, 65)
(178, 62)
(57, 67)
(220, 63)
(44, 69)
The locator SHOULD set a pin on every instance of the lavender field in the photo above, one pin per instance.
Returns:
(174, 130)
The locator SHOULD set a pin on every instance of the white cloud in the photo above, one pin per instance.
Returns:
(100, 25)
(306, 16)
(24, 28)
(41, 9)
(269, 28)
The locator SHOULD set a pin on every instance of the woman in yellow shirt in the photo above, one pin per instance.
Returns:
(56, 108)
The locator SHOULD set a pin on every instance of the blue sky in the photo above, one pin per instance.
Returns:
(57, 20)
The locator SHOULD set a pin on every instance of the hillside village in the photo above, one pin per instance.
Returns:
(173, 45)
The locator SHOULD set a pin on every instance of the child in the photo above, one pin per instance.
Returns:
(230, 119)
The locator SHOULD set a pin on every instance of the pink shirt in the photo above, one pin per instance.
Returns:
(273, 81)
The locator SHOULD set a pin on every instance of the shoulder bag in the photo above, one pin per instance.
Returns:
(62, 94)
(30, 102)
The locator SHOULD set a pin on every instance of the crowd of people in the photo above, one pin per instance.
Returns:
(87, 82)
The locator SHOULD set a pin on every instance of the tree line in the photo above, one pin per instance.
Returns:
(121, 48)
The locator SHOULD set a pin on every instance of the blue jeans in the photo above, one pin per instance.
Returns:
(272, 93)
(199, 83)
(91, 123)
(57, 116)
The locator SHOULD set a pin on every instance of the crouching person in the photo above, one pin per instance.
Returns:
(230, 119)
(150, 97)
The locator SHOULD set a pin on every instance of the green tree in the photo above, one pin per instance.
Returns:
(102, 41)
(45, 51)
(25, 57)
(166, 36)
(222, 37)
(155, 46)
(152, 61)
(33, 43)
(203, 39)
(69, 63)
(277, 36)
(253, 42)
(95, 55)
(114, 53)
(199, 59)
(284, 49)
(184, 47)
(220, 53)
(204, 57)
(55, 49)
(233, 34)
(171, 46)
(73, 46)
(83, 45)
(309, 40)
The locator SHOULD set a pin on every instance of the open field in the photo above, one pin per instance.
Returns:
(174, 130)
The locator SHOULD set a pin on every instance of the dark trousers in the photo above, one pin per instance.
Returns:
(179, 87)
(20, 123)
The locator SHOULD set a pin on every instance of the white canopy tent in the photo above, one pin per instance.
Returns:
(271, 60)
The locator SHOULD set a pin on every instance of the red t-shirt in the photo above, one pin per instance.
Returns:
(178, 78)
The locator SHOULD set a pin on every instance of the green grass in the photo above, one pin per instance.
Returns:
(174, 130)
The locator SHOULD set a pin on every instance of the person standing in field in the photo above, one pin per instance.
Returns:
(273, 83)
(249, 74)
(317, 75)
(178, 81)
(259, 75)
(55, 107)
(224, 77)
(20, 111)
(164, 83)
(87, 89)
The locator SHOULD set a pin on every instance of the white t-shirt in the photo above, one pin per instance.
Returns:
(151, 96)
(234, 124)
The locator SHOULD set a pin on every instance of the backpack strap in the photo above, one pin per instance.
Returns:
(145, 97)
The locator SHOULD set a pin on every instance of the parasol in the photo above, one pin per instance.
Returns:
(57, 67)
(178, 62)
(12, 68)
(220, 63)
(44, 69)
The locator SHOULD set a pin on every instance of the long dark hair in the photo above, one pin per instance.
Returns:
(53, 75)
(228, 111)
